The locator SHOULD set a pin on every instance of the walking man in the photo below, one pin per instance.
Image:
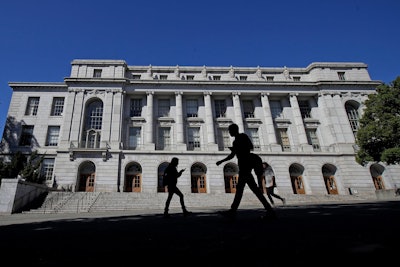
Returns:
(241, 148)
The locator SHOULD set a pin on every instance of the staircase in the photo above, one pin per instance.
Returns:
(81, 202)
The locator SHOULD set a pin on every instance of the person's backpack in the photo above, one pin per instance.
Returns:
(165, 179)
(257, 164)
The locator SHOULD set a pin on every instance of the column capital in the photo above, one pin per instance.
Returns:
(207, 93)
(178, 93)
(149, 92)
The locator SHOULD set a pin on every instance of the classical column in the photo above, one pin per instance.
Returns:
(237, 109)
(327, 128)
(298, 120)
(179, 119)
(149, 118)
(211, 145)
(269, 123)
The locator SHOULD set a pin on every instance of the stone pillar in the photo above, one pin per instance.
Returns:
(237, 111)
(269, 123)
(149, 143)
(179, 114)
(298, 122)
(211, 144)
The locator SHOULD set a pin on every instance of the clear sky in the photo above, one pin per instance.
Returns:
(40, 38)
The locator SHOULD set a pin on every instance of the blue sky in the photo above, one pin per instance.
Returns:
(39, 39)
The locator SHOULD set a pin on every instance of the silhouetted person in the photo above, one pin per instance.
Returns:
(170, 177)
(241, 148)
(270, 184)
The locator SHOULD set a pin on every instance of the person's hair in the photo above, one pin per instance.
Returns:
(174, 161)
(234, 127)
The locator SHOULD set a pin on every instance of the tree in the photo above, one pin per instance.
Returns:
(28, 166)
(378, 137)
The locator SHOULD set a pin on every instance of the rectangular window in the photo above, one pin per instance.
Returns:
(48, 168)
(97, 73)
(224, 140)
(134, 137)
(136, 108)
(313, 139)
(57, 107)
(276, 109)
(53, 132)
(284, 140)
(216, 77)
(255, 139)
(194, 138)
(163, 77)
(248, 108)
(341, 76)
(163, 107)
(136, 76)
(32, 106)
(164, 138)
(220, 108)
(296, 78)
(243, 78)
(191, 108)
(270, 78)
(305, 109)
(190, 77)
(26, 135)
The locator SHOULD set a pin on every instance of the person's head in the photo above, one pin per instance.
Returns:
(233, 129)
(174, 161)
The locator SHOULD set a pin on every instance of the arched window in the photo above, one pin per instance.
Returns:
(93, 122)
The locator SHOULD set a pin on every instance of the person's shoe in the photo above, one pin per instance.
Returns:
(230, 214)
(187, 213)
(284, 201)
(166, 215)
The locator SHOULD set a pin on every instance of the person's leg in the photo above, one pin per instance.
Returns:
(239, 191)
(170, 195)
(269, 194)
(272, 193)
(253, 186)
(182, 201)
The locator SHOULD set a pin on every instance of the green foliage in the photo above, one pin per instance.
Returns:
(379, 134)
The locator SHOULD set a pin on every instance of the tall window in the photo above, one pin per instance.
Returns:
(276, 109)
(164, 138)
(220, 108)
(305, 109)
(53, 133)
(248, 108)
(32, 106)
(94, 119)
(57, 107)
(191, 108)
(26, 135)
(163, 107)
(313, 139)
(193, 138)
(134, 137)
(48, 168)
(284, 140)
(255, 139)
(224, 140)
(136, 108)
(353, 116)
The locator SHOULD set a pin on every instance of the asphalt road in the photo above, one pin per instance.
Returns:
(353, 234)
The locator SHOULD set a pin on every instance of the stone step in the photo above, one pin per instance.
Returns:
(80, 202)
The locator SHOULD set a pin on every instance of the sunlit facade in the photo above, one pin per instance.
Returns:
(112, 127)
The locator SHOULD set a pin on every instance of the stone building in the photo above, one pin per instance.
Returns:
(111, 127)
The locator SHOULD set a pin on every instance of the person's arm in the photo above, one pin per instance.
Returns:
(180, 173)
(229, 157)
